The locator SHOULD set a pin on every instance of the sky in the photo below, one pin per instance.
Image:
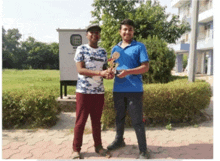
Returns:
(41, 18)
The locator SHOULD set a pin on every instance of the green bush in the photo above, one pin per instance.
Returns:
(162, 60)
(29, 108)
(177, 101)
(185, 61)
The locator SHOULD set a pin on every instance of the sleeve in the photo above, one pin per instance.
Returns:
(79, 55)
(143, 54)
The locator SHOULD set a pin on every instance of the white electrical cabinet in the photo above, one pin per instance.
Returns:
(69, 40)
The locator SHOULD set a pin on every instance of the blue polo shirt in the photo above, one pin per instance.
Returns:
(130, 57)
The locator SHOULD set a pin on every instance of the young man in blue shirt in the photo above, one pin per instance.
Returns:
(128, 86)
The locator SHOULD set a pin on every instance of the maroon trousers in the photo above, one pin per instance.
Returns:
(88, 104)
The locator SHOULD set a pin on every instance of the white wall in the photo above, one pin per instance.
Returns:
(68, 69)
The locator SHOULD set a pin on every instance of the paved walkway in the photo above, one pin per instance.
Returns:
(190, 142)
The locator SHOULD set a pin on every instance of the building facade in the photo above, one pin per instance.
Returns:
(204, 55)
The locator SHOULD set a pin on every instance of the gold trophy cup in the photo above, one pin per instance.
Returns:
(112, 65)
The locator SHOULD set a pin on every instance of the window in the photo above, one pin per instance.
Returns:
(75, 40)
(208, 26)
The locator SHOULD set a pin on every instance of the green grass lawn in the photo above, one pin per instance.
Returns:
(36, 89)
(13, 79)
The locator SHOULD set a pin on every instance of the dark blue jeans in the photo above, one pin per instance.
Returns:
(133, 102)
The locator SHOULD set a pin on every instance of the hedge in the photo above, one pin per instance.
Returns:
(29, 108)
(177, 101)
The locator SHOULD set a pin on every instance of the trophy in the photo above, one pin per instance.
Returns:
(111, 66)
(111, 63)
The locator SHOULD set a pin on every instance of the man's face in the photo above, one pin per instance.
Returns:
(93, 35)
(127, 32)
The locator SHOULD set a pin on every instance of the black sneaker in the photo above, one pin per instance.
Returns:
(115, 145)
(144, 155)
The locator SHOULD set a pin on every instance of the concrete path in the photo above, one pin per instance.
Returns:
(192, 142)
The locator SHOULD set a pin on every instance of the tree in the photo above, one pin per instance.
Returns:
(54, 50)
(162, 60)
(10, 48)
(28, 54)
(41, 55)
(110, 13)
(114, 8)
(150, 19)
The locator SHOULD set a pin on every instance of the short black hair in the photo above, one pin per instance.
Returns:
(127, 22)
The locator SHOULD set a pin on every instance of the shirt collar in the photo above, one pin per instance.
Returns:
(133, 42)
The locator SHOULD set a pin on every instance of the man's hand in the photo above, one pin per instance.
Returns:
(109, 74)
(104, 73)
(123, 73)
(143, 68)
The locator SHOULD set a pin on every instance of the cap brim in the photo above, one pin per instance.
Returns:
(94, 28)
